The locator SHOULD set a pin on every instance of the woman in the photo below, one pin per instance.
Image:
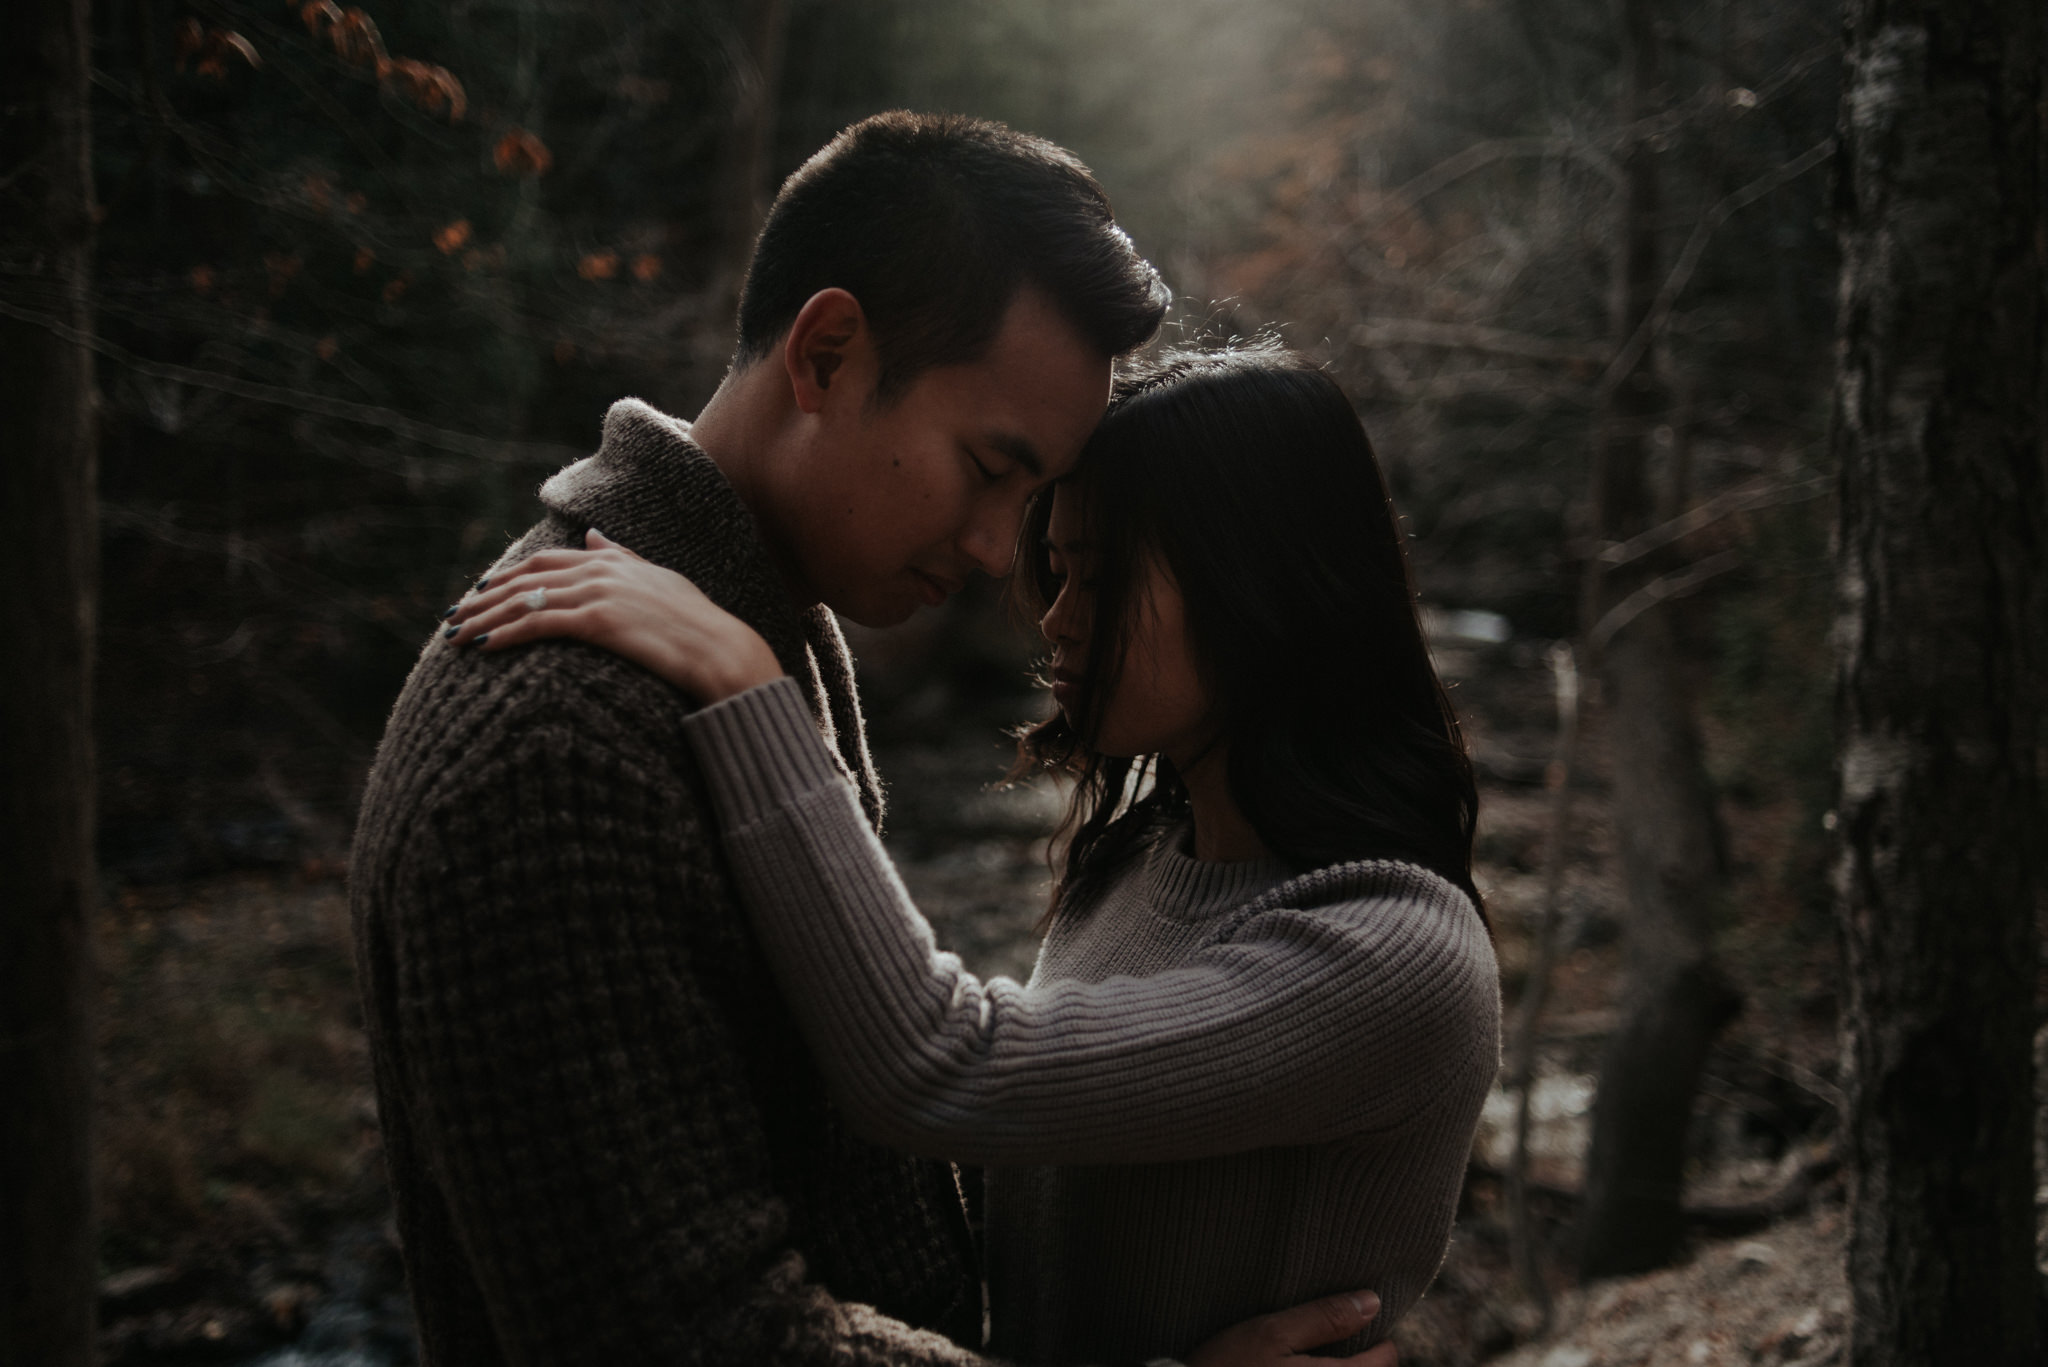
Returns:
(1247, 1068)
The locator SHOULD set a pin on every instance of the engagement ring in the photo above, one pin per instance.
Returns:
(536, 600)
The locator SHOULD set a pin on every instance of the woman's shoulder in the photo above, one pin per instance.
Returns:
(1386, 910)
(1368, 880)
(1374, 889)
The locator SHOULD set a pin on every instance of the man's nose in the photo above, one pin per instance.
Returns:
(990, 539)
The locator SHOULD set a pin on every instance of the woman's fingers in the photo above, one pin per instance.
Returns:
(598, 541)
(515, 584)
(521, 628)
(503, 593)
(598, 554)
(609, 597)
(533, 596)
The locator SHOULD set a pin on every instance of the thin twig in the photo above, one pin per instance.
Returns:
(1473, 337)
(1745, 498)
(1689, 257)
(1662, 589)
(441, 438)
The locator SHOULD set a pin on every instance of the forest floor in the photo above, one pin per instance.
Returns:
(246, 1219)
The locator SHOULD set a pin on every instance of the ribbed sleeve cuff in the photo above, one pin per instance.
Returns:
(760, 749)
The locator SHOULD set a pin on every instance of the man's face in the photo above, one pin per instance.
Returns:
(894, 505)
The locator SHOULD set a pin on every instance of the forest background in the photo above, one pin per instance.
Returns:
(364, 276)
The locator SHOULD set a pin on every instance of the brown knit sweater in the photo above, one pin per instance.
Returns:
(606, 1142)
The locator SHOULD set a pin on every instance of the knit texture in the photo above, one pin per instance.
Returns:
(605, 1139)
(1224, 1091)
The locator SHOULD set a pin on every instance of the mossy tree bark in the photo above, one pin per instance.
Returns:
(46, 620)
(1942, 552)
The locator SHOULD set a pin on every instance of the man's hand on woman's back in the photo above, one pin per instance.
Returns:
(1283, 1338)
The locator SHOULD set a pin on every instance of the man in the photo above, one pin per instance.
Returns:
(605, 1141)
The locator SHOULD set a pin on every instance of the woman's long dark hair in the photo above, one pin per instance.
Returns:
(1248, 474)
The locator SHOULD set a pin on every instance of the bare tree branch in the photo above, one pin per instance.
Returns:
(1408, 197)
(1474, 337)
(1726, 504)
(1662, 589)
(1654, 321)
(440, 438)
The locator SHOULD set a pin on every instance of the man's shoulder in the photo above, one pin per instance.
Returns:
(465, 719)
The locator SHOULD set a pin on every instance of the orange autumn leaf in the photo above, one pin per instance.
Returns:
(520, 153)
(202, 279)
(191, 37)
(326, 348)
(208, 49)
(646, 267)
(394, 290)
(356, 40)
(433, 88)
(237, 44)
(598, 266)
(365, 258)
(451, 238)
(319, 15)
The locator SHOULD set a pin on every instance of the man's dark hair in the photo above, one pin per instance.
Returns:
(932, 221)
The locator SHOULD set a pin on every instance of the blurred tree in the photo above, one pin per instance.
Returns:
(1943, 564)
(743, 186)
(47, 887)
(1675, 998)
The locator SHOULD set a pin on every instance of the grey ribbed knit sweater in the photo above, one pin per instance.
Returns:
(1223, 1091)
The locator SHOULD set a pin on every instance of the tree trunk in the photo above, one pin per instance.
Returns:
(47, 463)
(1943, 548)
(1674, 999)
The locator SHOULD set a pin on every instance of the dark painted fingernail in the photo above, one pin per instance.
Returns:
(448, 633)
(451, 610)
(481, 639)
(482, 584)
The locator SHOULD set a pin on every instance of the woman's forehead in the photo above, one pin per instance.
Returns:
(1066, 531)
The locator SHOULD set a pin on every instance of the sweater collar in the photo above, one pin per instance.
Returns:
(1185, 888)
(651, 488)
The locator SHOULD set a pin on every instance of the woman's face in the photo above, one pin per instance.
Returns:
(1158, 704)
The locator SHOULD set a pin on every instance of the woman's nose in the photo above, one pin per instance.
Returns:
(1060, 622)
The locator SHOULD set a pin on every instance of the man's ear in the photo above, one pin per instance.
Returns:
(829, 348)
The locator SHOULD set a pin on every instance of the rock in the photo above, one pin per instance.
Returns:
(1754, 1256)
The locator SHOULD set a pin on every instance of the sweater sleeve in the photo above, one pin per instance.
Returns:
(576, 1082)
(1298, 1027)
